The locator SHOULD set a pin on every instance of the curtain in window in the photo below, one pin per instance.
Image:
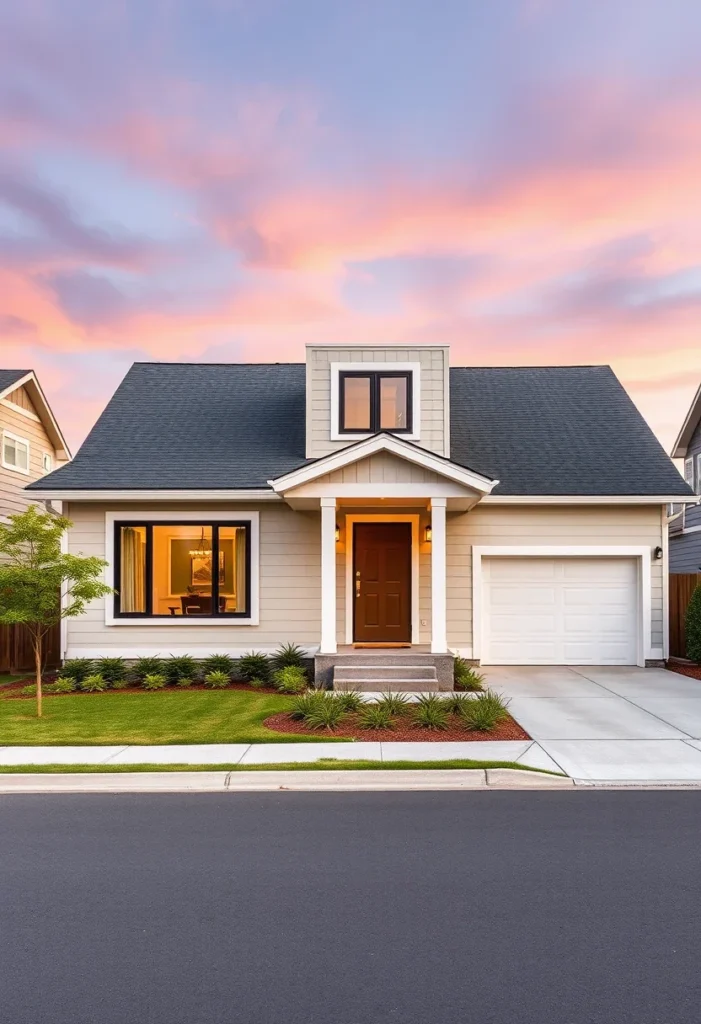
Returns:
(240, 578)
(133, 571)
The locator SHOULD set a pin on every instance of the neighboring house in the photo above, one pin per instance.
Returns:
(685, 526)
(373, 496)
(31, 442)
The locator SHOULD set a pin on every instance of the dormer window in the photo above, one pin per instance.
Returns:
(371, 401)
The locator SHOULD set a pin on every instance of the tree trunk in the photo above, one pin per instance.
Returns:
(37, 663)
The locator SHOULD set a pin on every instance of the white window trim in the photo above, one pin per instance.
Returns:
(415, 552)
(698, 474)
(22, 440)
(49, 456)
(689, 476)
(643, 554)
(338, 368)
(183, 621)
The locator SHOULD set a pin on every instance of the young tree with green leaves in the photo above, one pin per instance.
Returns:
(39, 583)
(693, 627)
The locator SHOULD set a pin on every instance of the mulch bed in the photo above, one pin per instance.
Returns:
(12, 694)
(404, 730)
(693, 671)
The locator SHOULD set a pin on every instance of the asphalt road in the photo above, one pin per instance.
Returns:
(403, 908)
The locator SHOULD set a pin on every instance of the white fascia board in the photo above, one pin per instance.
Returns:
(586, 499)
(16, 384)
(165, 495)
(382, 443)
(688, 426)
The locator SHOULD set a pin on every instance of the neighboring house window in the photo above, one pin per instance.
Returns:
(15, 453)
(698, 474)
(47, 463)
(689, 472)
(177, 568)
(370, 402)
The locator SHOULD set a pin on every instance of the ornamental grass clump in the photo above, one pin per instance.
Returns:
(431, 712)
(217, 680)
(375, 716)
(693, 627)
(93, 684)
(325, 713)
(457, 701)
(254, 665)
(303, 704)
(113, 670)
(62, 685)
(465, 677)
(485, 712)
(180, 666)
(143, 667)
(394, 703)
(291, 679)
(77, 669)
(154, 681)
(218, 663)
(350, 700)
(288, 655)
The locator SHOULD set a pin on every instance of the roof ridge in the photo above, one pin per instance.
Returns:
(178, 362)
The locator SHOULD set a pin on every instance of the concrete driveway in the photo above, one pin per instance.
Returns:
(610, 723)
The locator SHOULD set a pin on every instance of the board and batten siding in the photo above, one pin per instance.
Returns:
(22, 422)
(434, 428)
(546, 525)
(290, 588)
(382, 468)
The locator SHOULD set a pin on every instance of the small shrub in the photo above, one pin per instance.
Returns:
(217, 680)
(288, 655)
(179, 666)
(143, 667)
(465, 677)
(485, 712)
(29, 691)
(375, 716)
(113, 670)
(184, 682)
(693, 627)
(77, 668)
(93, 684)
(349, 699)
(254, 665)
(394, 703)
(325, 713)
(219, 663)
(62, 685)
(121, 684)
(257, 684)
(303, 704)
(431, 712)
(290, 679)
(154, 681)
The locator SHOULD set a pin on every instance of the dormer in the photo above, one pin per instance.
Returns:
(355, 392)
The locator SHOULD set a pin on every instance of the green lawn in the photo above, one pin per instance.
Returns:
(233, 716)
(323, 764)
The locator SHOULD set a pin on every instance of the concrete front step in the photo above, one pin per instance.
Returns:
(380, 672)
(437, 668)
(387, 685)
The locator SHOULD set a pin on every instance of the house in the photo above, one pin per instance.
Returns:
(373, 496)
(685, 524)
(31, 442)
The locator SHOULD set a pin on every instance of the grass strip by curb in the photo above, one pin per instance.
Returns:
(324, 764)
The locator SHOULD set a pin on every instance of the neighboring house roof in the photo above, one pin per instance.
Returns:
(10, 380)
(691, 422)
(540, 430)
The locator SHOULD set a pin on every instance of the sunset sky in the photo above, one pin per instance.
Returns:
(225, 180)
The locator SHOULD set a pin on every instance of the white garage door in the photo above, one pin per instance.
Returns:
(560, 611)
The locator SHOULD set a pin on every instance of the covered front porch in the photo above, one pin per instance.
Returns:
(384, 510)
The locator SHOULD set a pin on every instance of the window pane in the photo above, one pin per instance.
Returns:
(393, 408)
(132, 577)
(8, 452)
(356, 403)
(22, 455)
(233, 578)
(182, 569)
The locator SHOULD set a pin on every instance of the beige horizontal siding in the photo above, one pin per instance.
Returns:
(546, 525)
(290, 587)
(13, 498)
(434, 371)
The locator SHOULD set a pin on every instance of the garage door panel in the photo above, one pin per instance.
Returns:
(563, 611)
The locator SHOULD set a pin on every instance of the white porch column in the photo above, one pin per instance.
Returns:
(328, 576)
(439, 635)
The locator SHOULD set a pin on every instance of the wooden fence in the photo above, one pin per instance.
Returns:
(681, 587)
(16, 653)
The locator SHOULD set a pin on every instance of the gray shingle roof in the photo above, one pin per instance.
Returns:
(542, 430)
(8, 377)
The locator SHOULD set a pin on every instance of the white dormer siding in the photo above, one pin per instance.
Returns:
(428, 363)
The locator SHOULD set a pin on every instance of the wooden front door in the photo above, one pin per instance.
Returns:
(382, 582)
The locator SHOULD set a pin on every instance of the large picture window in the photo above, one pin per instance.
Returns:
(370, 402)
(167, 569)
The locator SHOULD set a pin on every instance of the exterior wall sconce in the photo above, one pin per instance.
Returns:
(428, 534)
(338, 533)
(658, 552)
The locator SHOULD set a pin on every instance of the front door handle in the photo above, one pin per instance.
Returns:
(357, 584)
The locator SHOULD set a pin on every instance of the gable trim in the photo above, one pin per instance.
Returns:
(383, 443)
(688, 427)
(45, 415)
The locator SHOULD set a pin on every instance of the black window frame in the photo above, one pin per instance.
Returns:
(149, 524)
(375, 377)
